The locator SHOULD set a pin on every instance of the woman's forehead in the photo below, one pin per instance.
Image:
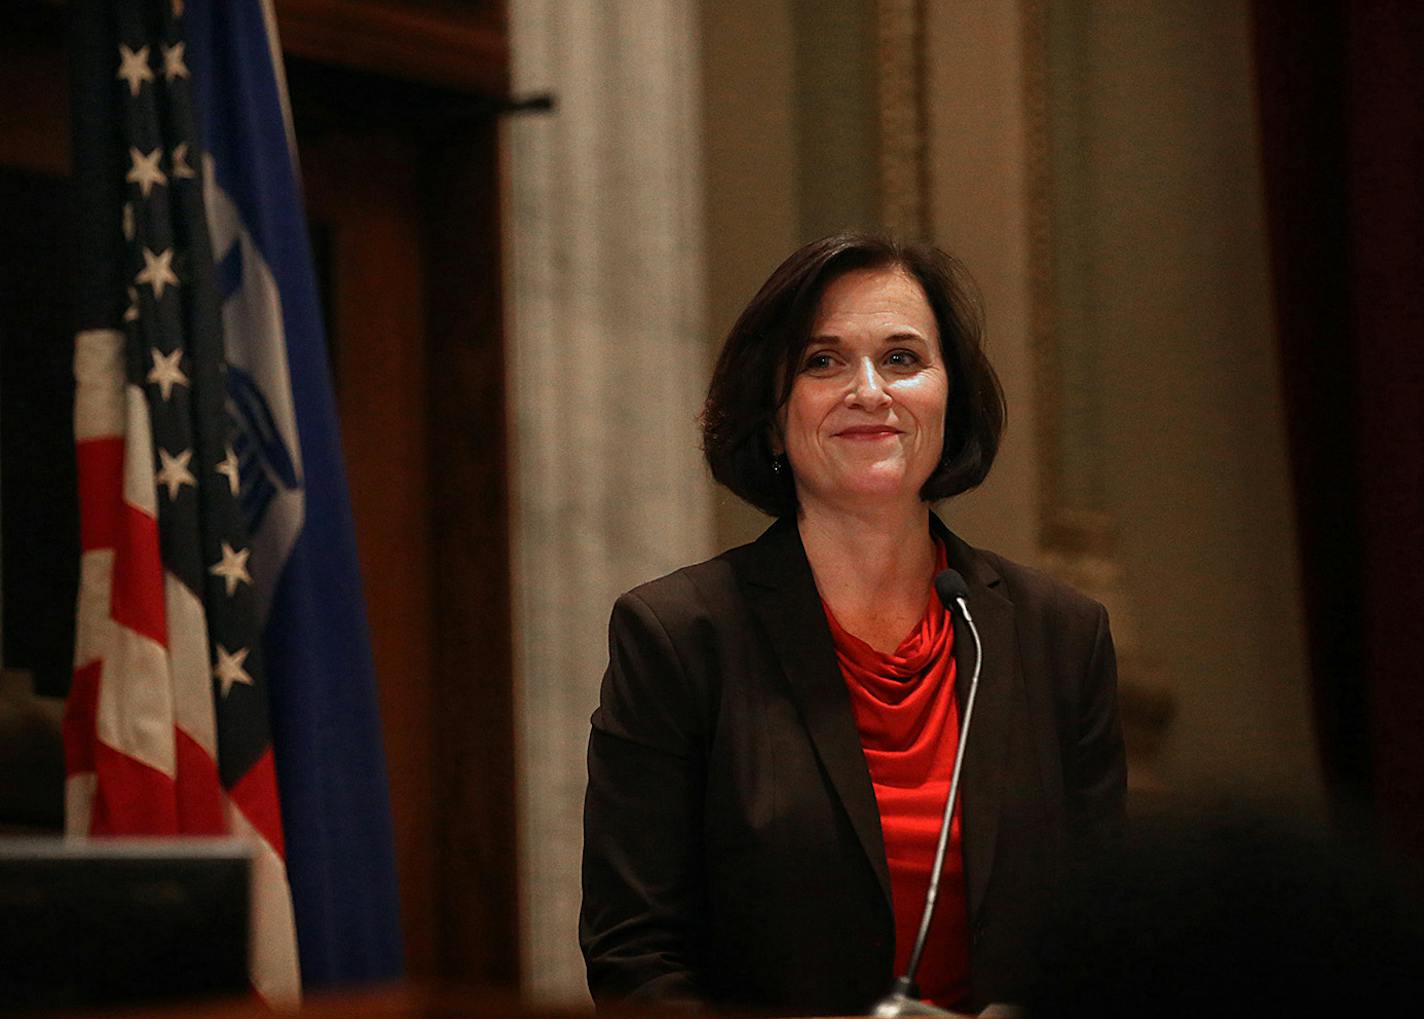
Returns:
(883, 301)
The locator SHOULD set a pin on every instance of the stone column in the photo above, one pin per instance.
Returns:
(608, 368)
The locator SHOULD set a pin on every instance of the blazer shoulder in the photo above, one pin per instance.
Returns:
(661, 688)
(701, 592)
(1036, 592)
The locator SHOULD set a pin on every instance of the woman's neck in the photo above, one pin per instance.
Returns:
(874, 569)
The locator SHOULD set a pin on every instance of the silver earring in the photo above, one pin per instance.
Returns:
(777, 463)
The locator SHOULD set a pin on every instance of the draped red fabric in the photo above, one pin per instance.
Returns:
(908, 719)
(1341, 90)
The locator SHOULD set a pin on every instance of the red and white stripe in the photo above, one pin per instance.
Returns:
(140, 732)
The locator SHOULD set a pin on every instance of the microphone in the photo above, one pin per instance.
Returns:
(903, 998)
(952, 590)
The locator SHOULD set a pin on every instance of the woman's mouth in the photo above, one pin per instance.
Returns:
(866, 433)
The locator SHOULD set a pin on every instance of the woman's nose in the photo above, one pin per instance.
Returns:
(868, 388)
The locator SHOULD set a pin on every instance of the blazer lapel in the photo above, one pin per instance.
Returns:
(981, 788)
(782, 593)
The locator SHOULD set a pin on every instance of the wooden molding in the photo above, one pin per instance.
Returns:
(904, 133)
(474, 727)
(1043, 300)
(465, 48)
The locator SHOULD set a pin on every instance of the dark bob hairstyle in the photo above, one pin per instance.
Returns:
(754, 372)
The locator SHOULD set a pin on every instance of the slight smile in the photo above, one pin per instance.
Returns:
(868, 432)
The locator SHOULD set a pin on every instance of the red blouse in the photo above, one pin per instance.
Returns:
(908, 719)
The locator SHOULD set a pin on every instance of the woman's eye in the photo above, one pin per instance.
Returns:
(818, 362)
(902, 358)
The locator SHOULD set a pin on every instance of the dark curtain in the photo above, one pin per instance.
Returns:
(1341, 89)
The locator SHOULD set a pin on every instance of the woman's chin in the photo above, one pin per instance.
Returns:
(870, 487)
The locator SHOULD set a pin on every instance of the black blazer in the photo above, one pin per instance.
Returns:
(732, 842)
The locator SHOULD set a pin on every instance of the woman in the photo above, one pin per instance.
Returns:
(771, 753)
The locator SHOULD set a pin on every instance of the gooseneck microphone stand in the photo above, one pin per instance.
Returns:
(903, 998)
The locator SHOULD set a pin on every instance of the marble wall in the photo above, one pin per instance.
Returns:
(606, 375)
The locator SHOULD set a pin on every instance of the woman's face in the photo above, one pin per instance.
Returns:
(865, 419)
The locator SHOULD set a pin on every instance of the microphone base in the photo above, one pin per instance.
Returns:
(900, 1002)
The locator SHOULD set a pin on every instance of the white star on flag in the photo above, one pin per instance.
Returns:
(175, 473)
(173, 66)
(233, 568)
(134, 67)
(229, 669)
(131, 312)
(157, 271)
(144, 170)
(166, 373)
(179, 161)
(227, 467)
(128, 221)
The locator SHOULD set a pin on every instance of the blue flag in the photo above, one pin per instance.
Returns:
(292, 490)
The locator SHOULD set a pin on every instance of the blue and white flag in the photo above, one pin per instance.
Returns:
(326, 730)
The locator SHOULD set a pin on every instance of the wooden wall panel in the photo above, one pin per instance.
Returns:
(362, 197)
(403, 185)
(461, 46)
(34, 82)
(474, 663)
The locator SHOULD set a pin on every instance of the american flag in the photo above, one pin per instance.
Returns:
(167, 729)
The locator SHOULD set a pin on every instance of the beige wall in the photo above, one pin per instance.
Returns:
(1165, 249)
(1193, 433)
(1168, 255)
(750, 204)
(978, 213)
